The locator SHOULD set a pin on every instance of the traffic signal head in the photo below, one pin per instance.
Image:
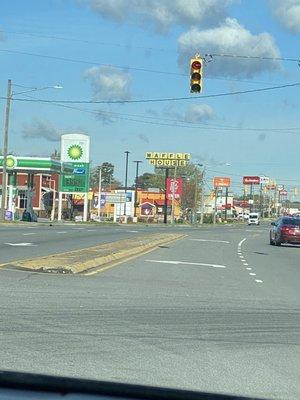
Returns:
(196, 72)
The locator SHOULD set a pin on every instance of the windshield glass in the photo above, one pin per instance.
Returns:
(291, 221)
(146, 149)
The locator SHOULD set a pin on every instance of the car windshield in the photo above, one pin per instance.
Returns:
(146, 147)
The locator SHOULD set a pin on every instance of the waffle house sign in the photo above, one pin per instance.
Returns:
(165, 160)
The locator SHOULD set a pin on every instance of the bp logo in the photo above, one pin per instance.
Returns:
(11, 162)
(75, 152)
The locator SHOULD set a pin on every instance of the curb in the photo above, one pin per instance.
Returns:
(62, 263)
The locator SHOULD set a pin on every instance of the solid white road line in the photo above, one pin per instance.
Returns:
(21, 244)
(210, 240)
(186, 263)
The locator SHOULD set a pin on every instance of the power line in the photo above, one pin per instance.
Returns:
(175, 122)
(159, 100)
(254, 57)
(124, 67)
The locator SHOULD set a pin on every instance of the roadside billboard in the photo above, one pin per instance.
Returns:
(264, 179)
(220, 181)
(251, 180)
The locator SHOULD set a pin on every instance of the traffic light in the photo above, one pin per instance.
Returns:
(196, 73)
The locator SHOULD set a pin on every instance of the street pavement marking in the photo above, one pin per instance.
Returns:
(77, 228)
(21, 244)
(132, 231)
(186, 263)
(241, 242)
(210, 240)
(244, 260)
(61, 231)
(31, 233)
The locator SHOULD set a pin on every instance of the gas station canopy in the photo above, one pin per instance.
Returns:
(36, 165)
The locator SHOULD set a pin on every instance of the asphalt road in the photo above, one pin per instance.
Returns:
(30, 240)
(216, 311)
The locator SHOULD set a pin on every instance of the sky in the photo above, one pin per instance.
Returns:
(110, 50)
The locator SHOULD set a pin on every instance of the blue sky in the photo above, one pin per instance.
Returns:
(157, 36)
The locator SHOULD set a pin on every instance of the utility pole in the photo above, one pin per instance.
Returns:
(226, 202)
(195, 197)
(202, 197)
(136, 185)
(215, 210)
(5, 149)
(126, 178)
(99, 192)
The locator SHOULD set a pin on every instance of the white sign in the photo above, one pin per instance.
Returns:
(264, 179)
(75, 148)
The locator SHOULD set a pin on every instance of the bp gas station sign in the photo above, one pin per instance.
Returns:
(75, 150)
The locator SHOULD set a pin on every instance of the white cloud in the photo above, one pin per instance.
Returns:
(288, 13)
(108, 83)
(198, 113)
(39, 129)
(229, 38)
(194, 113)
(162, 13)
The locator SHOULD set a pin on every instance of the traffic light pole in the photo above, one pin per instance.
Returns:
(166, 197)
(5, 149)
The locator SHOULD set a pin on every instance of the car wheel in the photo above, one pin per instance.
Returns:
(278, 242)
(271, 241)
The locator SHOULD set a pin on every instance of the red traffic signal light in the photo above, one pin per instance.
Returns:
(196, 66)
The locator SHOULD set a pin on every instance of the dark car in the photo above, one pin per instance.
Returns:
(285, 230)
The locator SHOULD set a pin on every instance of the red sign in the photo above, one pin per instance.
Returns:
(251, 180)
(241, 203)
(174, 186)
(283, 192)
(220, 181)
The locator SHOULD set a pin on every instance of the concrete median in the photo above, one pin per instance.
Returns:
(91, 258)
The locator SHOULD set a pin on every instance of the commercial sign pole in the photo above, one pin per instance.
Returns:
(166, 197)
(167, 161)
(215, 209)
(173, 194)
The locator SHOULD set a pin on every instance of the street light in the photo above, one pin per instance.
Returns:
(126, 177)
(136, 185)
(9, 98)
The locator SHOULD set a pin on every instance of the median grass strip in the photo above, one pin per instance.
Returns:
(83, 260)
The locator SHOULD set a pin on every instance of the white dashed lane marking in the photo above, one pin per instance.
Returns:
(186, 263)
(30, 233)
(244, 261)
(210, 240)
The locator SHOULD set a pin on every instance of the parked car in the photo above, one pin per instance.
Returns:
(285, 230)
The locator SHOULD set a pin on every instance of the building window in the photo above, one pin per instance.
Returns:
(23, 200)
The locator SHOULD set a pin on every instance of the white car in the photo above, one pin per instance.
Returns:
(253, 219)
